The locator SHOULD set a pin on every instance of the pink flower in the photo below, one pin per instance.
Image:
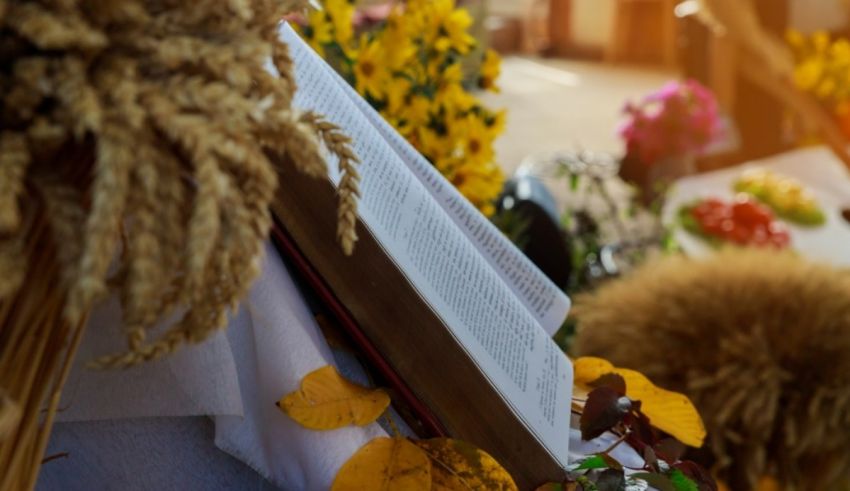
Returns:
(680, 118)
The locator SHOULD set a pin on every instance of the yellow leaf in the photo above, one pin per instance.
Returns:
(385, 464)
(668, 411)
(460, 466)
(327, 401)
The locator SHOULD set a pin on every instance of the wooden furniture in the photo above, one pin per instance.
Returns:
(749, 68)
(643, 30)
(560, 35)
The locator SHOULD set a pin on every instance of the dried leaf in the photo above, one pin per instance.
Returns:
(668, 411)
(613, 381)
(670, 449)
(604, 409)
(650, 459)
(460, 466)
(327, 401)
(385, 464)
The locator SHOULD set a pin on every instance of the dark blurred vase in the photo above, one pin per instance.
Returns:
(653, 179)
(543, 239)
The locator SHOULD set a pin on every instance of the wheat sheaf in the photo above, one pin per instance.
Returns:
(138, 145)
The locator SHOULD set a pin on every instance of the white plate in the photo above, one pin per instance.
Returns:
(819, 171)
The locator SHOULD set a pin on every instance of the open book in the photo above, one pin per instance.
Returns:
(459, 312)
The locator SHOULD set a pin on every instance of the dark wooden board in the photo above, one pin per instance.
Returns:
(411, 337)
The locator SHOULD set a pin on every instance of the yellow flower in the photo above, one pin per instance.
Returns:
(808, 73)
(840, 52)
(490, 69)
(397, 89)
(319, 31)
(452, 24)
(418, 110)
(480, 184)
(795, 39)
(369, 72)
(450, 91)
(497, 123)
(820, 41)
(437, 148)
(476, 138)
(410, 70)
(341, 13)
(397, 42)
(826, 88)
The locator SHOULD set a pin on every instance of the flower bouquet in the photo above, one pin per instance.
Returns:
(665, 131)
(414, 69)
(822, 68)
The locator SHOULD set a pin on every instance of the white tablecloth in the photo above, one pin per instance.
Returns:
(236, 378)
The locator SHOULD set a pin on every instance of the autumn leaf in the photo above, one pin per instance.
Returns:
(604, 409)
(670, 449)
(327, 401)
(668, 411)
(460, 466)
(385, 464)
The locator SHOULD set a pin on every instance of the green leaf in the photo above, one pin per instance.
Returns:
(682, 482)
(595, 462)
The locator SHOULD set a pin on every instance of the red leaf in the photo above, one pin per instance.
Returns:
(613, 381)
(670, 449)
(604, 409)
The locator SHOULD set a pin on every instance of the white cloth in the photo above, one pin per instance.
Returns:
(280, 342)
(117, 435)
(269, 346)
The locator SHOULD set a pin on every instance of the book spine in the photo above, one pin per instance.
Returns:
(287, 248)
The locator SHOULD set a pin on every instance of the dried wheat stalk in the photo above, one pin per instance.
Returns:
(759, 340)
(138, 144)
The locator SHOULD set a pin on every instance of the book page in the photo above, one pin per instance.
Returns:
(483, 314)
(541, 297)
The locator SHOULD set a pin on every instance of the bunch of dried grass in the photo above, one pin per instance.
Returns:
(761, 343)
(138, 140)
